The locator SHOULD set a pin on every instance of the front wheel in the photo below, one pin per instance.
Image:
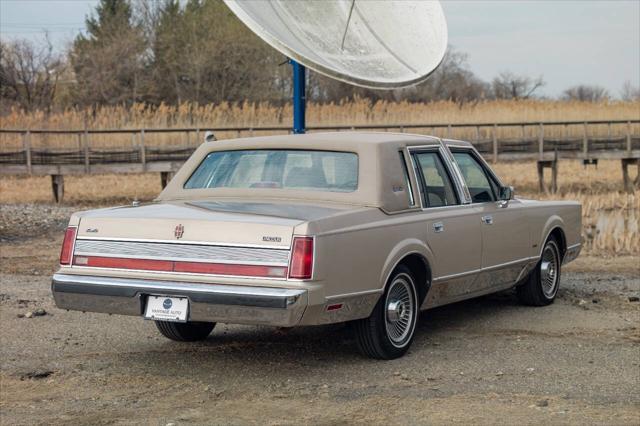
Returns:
(388, 332)
(541, 287)
(185, 331)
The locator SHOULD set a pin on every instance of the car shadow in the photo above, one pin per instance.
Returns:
(250, 349)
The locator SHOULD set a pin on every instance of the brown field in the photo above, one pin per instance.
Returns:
(358, 112)
(610, 216)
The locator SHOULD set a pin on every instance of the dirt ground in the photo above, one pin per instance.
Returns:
(484, 361)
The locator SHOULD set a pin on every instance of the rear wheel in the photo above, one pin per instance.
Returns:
(388, 332)
(541, 287)
(185, 331)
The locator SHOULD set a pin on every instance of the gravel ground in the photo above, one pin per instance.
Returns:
(21, 221)
(484, 361)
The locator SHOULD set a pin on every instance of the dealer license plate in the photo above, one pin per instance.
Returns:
(167, 308)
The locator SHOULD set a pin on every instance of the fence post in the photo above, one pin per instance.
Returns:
(495, 143)
(629, 138)
(585, 140)
(541, 141)
(85, 147)
(449, 131)
(143, 153)
(26, 144)
(198, 141)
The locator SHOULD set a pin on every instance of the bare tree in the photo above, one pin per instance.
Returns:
(629, 92)
(508, 85)
(452, 80)
(29, 74)
(586, 93)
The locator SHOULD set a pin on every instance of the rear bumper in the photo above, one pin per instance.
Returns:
(207, 302)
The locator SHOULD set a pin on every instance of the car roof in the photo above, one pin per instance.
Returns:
(349, 140)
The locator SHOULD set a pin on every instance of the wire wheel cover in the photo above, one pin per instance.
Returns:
(549, 270)
(400, 311)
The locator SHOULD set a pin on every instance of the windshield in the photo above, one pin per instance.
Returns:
(282, 169)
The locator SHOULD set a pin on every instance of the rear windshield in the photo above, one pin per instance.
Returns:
(282, 169)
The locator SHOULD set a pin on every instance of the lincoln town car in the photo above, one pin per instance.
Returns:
(300, 230)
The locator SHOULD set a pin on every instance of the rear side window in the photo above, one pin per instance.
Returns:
(436, 187)
(481, 186)
(279, 169)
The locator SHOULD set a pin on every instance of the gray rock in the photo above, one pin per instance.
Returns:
(543, 403)
(634, 299)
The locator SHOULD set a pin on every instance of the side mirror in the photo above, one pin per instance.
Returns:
(507, 193)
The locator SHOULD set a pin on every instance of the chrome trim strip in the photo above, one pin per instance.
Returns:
(265, 297)
(488, 268)
(179, 252)
(574, 246)
(201, 243)
(356, 294)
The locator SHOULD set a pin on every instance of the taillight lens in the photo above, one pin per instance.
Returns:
(301, 258)
(67, 245)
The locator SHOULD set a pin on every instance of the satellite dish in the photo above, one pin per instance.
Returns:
(381, 44)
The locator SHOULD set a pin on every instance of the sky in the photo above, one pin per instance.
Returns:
(565, 42)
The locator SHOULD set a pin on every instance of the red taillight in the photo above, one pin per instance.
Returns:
(178, 266)
(301, 258)
(67, 245)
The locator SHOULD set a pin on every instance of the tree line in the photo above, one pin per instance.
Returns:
(171, 51)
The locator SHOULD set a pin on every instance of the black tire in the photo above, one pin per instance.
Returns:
(185, 331)
(373, 334)
(536, 289)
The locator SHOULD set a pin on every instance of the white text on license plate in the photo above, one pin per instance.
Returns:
(167, 308)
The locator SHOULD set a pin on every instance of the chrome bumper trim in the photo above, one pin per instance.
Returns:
(208, 302)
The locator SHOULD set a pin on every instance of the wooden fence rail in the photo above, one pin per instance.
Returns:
(545, 142)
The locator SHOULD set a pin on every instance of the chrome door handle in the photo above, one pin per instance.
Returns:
(488, 219)
(438, 227)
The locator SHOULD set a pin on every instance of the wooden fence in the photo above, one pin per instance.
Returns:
(88, 151)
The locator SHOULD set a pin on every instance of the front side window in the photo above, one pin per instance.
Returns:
(436, 187)
(281, 169)
(481, 187)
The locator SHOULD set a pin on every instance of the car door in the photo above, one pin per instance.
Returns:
(452, 233)
(505, 228)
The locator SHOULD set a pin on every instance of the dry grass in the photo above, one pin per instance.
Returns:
(358, 112)
(610, 216)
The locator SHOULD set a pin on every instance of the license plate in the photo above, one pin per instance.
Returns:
(167, 308)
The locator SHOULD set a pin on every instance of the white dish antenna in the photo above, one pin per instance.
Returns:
(382, 44)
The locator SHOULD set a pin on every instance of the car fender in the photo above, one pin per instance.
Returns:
(553, 222)
(400, 251)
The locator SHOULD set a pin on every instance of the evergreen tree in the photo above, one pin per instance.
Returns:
(109, 59)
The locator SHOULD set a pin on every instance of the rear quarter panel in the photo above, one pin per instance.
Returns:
(356, 252)
(545, 216)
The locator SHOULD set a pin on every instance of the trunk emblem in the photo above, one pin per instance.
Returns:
(179, 231)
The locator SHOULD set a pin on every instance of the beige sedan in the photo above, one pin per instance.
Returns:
(315, 229)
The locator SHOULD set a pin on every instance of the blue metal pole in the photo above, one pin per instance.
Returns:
(299, 96)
